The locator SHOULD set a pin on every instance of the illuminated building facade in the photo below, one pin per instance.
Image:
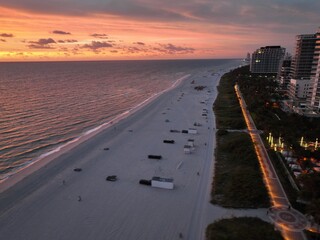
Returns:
(303, 59)
(305, 74)
(267, 59)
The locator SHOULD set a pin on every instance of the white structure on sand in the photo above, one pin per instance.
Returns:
(159, 182)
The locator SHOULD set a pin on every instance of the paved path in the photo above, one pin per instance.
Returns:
(289, 218)
(289, 221)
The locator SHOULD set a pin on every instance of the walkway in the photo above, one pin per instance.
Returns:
(288, 218)
(289, 221)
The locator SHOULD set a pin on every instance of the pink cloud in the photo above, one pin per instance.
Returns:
(96, 45)
(99, 35)
(8, 35)
(42, 43)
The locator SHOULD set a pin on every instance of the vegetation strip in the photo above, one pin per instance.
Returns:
(248, 228)
(238, 180)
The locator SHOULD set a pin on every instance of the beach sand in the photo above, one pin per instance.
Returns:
(56, 202)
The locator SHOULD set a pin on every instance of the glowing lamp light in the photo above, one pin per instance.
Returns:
(269, 138)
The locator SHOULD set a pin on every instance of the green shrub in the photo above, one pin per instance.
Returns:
(238, 179)
(245, 228)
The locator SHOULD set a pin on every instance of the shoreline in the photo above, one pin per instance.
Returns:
(49, 198)
(45, 158)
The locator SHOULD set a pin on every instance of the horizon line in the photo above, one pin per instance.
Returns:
(119, 60)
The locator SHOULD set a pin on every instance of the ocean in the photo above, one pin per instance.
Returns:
(44, 105)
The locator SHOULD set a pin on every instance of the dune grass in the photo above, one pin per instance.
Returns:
(226, 106)
(238, 179)
(247, 228)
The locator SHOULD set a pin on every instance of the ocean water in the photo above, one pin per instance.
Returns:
(44, 105)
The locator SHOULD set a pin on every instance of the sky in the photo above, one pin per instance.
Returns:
(54, 30)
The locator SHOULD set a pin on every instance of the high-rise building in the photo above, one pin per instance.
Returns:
(303, 62)
(314, 101)
(267, 59)
(301, 72)
(305, 74)
(283, 76)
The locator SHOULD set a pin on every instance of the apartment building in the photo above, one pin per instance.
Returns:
(314, 100)
(267, 59)
(303, 72)
(283, 76)
(303, 59)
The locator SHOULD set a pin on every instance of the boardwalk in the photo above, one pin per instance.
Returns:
(289, 221)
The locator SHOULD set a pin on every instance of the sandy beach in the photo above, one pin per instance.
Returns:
(56, 202)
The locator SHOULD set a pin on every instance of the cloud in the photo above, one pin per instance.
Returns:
(280, 16)
(61, 32)
(2, 40)
(8, 35)
(67, 41)
(158, 49)
(42, 43)
(220, 24)
(167, 10)
(134, 50)
(96, 45)
(99, 35)
(137, 9)
(139, 43)
(35, 46)
(172, 49)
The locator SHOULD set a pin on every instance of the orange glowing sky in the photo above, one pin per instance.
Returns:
(33, 30)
